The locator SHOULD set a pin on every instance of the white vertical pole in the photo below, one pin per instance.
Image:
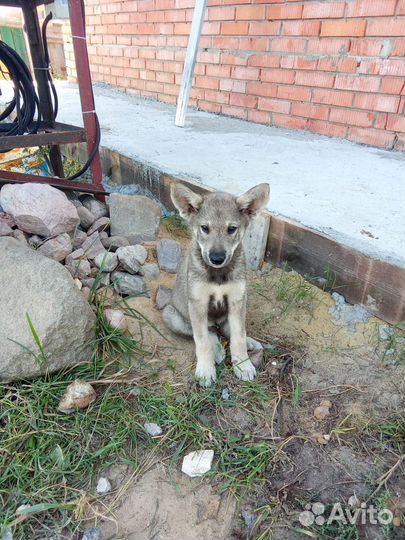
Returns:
(189, 63)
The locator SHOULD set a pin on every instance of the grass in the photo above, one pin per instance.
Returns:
(175, 224)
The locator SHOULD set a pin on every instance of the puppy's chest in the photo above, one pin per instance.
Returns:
(219, 297)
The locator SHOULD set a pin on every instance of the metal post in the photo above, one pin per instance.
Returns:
(77, 23)
(189, 63)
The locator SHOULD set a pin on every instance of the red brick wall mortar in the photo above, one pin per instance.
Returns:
(334, 67)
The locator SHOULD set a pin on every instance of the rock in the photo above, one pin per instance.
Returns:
(385, 332)
(78, 395)
(92, 534)
(78, 266)
(39, 208)
(78, 238)
(107, 261)
(63, 320)
(5, 229)
(152, 429)
(7, 219)
(57, 248)
(93, 246)
(151, 272)
(105, 296)
(101, 224)
(225, 394)
(168, 255)
(116, 319)
(163, 297)
(20, 236)
(103, 235)
(114, 242)
(197, 463)
(103, 486)
(7, 535)
(322, 411)
(96, 207)
(35, 241)
(128, 284)
(86, 291)
(88, 282)
(78, 284)
(134, 216)
(86, 217)
(129, 258)
(21, 508)
(103, 280)
(249, 518)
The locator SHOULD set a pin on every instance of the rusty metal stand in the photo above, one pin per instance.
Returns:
(50, 132)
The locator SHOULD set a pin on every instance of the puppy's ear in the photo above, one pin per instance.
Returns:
(186, 201)
(251, 202)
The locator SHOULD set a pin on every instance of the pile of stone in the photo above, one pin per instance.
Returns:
(101, 245)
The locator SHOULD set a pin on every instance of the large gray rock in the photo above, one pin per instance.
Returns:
(63, 320)
(131, 258)
(39, 208)
(168, 255)
(134, 216)
(127, 284)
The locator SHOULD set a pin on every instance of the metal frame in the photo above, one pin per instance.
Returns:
(50, 132)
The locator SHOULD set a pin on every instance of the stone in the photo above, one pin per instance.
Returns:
(78, 267)
(35, 241)
(86, 217)
(385, 332)
(128, 284)
(116, 319)
(107, 261)
(322, 412)
(101, 224)
(151, 272)
(56, 248)
(103, 486)
(39, 208)
(103, 280)
(88, 282)
(114, 242)
(152, 429)
(249, 518)
(7, 219)
(96, 207)
(129, 258)
(93, 246)
(5, 229)
(78, 238)
(197, 463)
(93, 534)
(63, 320)
(20, 236)
(78, 283)
(78, 395)
(86, 291)
(134, 216)
(163, 297)
(225, 394)
(168, 255)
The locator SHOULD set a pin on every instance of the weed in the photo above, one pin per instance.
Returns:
(175, 224)
(40, 357)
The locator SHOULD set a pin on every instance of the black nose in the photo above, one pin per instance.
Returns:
(217, 257)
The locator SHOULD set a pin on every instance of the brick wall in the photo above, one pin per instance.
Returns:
(331, 67)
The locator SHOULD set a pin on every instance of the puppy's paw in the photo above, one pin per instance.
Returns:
(205, 374)
(245, 370)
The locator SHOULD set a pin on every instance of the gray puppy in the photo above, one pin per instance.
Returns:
(210, 290)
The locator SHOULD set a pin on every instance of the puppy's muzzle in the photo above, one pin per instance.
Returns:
(217, 257)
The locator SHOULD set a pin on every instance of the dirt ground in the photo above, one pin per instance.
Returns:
(336, 454)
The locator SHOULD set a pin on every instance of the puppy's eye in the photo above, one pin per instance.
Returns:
(205, 229)
(232, 229)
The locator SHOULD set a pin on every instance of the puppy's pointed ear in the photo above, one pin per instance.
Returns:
(254, 200)
(186, 201)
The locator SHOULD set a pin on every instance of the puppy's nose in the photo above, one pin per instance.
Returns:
(217, 257)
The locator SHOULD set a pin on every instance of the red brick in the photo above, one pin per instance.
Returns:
(217, 97)
(155, 16)
(234, 59)
(365, 8)
(287, 61)
(345, 65)
(399, 142)
(247, 73)
(209, 57)
(366, 47)
(391, 85)
(328, 46)
(385, 27)
(343, 28)
(398, 48)
(274, 105)
(225, 43)
(332, 97)
(237, 112)
(283, 76)
(310, 111)
(361, 84)
(266, 90)
(138, 63)
(211, 28)
(323, 10)
(294, 93)
(288, 45)
(234, 29)
(221, 14)
(177, 15)
(165, 77)
(205, 82)
(351, 118)
(260, 117)
(301, 62)
(250, 13)
(301, 28)
(230, 85)
(373, 137)
(264, 28)
(396, 122)
(218, 71)
(182, 28)
(289, 122)
(401, 7)
(167, 99)
(164, 54)
(380, 121)
(253, 44)
(243, 101)
(325, 128)
(293, 11)
(264, 60)
(315, 79)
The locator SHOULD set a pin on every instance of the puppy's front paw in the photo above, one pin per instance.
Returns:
(245, 370)
(205, 373)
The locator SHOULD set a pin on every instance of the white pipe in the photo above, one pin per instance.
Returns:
(189, 63)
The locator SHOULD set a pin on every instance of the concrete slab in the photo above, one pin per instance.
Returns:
(354, 194)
